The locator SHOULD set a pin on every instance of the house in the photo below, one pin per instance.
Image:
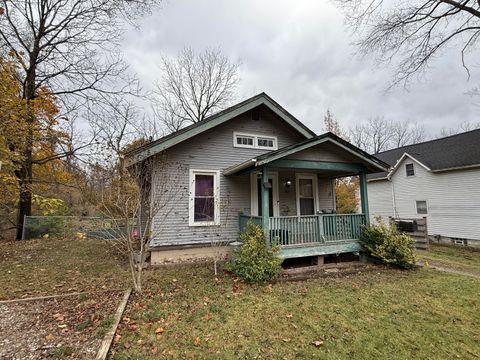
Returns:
(253, 162)
(437, 179)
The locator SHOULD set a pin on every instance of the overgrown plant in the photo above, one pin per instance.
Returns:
(217, 233)
(143, 194)
(388, 244)
(255, 261)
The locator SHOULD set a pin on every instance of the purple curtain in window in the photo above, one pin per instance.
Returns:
(204, 209)
(203, 185)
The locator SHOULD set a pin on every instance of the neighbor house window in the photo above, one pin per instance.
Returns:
(204, 197)
(410, 170)
(254, 141)
(421, 207)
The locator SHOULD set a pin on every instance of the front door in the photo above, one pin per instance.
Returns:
(256, 189)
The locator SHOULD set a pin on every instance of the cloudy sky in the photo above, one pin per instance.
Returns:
(300, 53)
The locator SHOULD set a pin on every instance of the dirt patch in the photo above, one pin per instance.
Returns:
(65, 327)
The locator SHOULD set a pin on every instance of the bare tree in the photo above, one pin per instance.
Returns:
(332, 125)
(194, 86)
(379, 134)
(139, 207)
(217, 233)
(414, 31)
(406, 133)
(374, 135)
(70, 47)
(463, 127)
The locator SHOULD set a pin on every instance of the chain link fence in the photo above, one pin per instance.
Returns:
(73, 226)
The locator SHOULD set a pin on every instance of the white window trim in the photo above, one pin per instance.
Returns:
(314, 179)
(416, 208)
(254, 195)
(255, 141)
(216, 196)
(414, 170)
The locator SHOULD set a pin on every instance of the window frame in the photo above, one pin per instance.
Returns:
(426, 207)
(255, 137)
(314, 179)
(406, 170)
(216, 197)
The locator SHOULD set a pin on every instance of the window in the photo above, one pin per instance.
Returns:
(204, 198)
(306, 194)
(410, 170)
(265, 142)
(421, 207)
(245, 140)
(254, 141)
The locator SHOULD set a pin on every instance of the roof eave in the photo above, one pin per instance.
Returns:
(261, 99)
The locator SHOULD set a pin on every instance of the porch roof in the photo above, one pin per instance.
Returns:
(366, 162)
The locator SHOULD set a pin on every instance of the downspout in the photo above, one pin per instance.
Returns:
(394, 203)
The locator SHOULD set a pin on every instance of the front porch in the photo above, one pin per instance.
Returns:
(293, 196)
(311, 235)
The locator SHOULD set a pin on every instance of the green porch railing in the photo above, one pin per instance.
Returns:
(244, 219)
(310, 229)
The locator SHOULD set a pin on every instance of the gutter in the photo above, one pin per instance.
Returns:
(457, 168)
(239, 167)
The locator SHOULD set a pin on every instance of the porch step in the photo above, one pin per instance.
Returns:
(323, 249)
(318, 271)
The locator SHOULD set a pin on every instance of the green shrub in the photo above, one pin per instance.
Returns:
(255, 261)
(389, 245)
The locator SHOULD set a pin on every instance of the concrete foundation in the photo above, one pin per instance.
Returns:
(178, 254)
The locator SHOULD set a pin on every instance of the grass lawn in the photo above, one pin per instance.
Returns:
(185, 312)
(455, 257)
(381, 313)
(56, 266)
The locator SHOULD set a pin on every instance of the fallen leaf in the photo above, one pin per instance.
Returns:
(154, 350)
(318, 343)
(49, 337)
(59, 317)
(207, 317)
(286, 340)
(197, 341)
(117, 338)
(159, 330)
(289, 316)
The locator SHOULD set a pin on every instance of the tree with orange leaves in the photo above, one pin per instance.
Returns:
(24, 125)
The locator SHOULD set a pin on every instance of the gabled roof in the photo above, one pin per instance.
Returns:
(186, 133)
(449, 153)
(372, 163)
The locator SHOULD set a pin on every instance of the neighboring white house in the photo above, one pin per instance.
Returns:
(438, 179)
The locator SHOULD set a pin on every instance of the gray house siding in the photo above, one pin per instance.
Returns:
(214, 150)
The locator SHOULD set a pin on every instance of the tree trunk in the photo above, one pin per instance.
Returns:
(24, 175)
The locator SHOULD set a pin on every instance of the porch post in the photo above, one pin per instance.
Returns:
(364, 195)
(265, 203)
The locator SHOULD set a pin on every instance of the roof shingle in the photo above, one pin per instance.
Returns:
(454, 151)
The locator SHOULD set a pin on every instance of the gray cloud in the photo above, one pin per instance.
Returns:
(299, 52)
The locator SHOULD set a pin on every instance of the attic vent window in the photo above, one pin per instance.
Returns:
(255, 115)
(254, 141)
(410, 170)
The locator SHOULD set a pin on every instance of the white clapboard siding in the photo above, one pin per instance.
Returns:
(453, 199)
(380, 199)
